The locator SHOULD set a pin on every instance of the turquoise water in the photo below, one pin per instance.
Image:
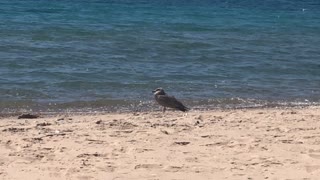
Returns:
(108, 55)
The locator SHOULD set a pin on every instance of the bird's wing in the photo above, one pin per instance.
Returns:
(170, 101)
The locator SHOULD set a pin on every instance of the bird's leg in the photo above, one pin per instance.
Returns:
(164, 109)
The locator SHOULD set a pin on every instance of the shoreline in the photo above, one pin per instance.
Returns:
(122, 106)
(259, 143)
(155, 108)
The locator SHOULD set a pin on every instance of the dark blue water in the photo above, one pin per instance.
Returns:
(104, 54)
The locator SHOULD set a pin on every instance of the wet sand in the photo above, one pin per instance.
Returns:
(271, 143)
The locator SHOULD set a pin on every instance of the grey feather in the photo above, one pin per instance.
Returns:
(168, 101)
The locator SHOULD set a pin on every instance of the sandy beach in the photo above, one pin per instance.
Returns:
(275, 143)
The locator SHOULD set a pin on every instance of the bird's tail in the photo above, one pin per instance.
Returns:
(184, 109)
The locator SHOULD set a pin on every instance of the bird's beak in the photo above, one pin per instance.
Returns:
(153, 91)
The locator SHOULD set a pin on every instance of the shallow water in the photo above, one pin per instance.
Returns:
(111, 54)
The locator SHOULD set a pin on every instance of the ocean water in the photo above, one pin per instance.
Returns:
(110, 54)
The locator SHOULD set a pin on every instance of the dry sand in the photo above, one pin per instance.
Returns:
(222, 144)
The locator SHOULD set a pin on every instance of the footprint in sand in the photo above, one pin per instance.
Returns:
(310, 169)
(182, 143)
(148, 166)
(85, 177)
(173, 168)
(316, 156)
(314, 153)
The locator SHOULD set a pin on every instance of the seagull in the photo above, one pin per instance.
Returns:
(168, 101)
